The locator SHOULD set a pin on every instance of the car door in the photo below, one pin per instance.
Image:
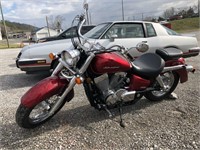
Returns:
(129, 35)
(152, 38)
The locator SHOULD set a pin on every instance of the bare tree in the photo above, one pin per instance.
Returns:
(169, 12)
(56, 22)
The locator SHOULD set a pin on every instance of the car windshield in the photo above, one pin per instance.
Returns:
(68, 33)
(169, 31)
(97, 31)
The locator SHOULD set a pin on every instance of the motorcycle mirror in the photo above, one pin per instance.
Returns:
(112, 38)
(142, 47)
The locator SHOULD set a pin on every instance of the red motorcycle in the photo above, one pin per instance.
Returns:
(111, 79)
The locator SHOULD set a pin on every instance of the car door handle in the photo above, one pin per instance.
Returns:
(144, 41)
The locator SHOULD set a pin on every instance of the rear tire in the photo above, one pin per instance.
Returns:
(171, 80)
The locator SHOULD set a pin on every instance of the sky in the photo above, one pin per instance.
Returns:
(34, 12)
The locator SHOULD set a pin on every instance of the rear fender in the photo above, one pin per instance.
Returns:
(45, 89)
(183, 74)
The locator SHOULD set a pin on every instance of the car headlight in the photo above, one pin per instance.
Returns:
(71, 57)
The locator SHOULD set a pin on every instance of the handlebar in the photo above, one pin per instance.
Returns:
(96, 48)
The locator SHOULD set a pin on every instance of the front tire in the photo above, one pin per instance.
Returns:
(32, 117)
(171, 80)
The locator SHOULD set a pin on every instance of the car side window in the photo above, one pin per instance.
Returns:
(169, 31)
(129, 30)
(70, 33)
(86, 29)
(150, 30)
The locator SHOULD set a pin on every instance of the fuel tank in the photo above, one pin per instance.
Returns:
(109, 63)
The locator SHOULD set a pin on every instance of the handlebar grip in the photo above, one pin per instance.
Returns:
(82, 17)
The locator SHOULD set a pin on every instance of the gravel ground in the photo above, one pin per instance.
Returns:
(169, 124)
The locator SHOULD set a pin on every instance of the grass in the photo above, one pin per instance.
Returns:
(13, 43)
(185, 25)
(4, 46)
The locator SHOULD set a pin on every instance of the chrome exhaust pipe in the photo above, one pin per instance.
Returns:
(190, 68)
(172, 68)
(128, 96)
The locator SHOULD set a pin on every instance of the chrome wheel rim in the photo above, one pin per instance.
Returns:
(168, 79)
(41, 111)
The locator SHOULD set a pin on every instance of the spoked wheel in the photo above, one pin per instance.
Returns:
(37, 115)
(170, 80)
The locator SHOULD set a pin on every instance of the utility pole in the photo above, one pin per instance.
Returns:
(4, 25)
(48, 25)
(198, 8)
(86, 6)
(123, 10)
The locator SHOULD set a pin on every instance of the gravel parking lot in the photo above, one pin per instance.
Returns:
(169, 124)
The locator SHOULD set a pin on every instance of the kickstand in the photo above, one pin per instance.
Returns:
(108, 111)
(122, 124)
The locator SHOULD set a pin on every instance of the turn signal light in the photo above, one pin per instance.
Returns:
(52, 56)
(79, 80)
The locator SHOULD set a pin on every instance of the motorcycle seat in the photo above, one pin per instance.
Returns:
(148, 65)
(169, 53)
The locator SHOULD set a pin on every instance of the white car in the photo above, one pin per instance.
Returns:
(129, 34)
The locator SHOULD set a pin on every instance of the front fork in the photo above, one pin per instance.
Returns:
(72, 79)
(62, 98)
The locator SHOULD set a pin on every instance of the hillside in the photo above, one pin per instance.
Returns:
(17, 27)
(185, 25)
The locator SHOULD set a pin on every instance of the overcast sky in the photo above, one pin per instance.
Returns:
(34, 11)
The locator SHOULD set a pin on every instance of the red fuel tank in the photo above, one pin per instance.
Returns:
(109, 63)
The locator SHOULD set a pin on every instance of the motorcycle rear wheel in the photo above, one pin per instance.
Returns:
(32, 117)
(171, 80)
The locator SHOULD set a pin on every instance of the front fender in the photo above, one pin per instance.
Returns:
(45, 89)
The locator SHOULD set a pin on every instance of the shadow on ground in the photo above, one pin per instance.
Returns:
(82, 116)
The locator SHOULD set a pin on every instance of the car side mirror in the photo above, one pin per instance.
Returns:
(112, 38)
(142, 47)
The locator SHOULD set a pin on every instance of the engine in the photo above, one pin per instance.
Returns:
(113, 88)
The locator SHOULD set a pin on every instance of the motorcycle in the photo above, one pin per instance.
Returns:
(111, 79)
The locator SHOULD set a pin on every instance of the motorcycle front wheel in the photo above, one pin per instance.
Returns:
(170, 80)
(37, 115)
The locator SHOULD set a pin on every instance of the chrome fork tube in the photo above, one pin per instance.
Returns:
(62, 98)
(72, 82)
(87, 63)
(57, 69)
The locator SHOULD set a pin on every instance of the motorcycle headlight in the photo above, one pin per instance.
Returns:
(71, 57)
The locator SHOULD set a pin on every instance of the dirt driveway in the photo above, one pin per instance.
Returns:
(169, 124)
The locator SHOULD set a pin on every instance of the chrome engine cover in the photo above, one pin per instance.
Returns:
(112, 88)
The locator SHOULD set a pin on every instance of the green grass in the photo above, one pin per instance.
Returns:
(185, 25)
(13, 43)
(4, 46)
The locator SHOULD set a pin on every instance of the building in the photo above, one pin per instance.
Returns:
(43, 32)
(0, 34)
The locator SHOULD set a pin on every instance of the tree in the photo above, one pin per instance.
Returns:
(160, 18)
(56, 22)
(190, 12)
(169, 12)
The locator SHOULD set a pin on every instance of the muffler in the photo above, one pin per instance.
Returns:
(190, 68)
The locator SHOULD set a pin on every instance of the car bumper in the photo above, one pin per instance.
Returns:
(192, 52)
(33, 65)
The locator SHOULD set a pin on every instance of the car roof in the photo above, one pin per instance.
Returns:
(129, 22)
